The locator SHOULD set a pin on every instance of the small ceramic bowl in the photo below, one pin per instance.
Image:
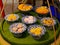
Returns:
(11, 18)
(25, 7)
(48, 22)
(36, 31)
(41, 11)
(29, 19)
(18, 29)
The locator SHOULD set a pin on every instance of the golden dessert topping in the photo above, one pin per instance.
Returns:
(11, 17)
(42, 10)
(36, 31)
(24, 7)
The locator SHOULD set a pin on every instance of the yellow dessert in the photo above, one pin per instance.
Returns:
(24, 7)
(48, 22)
(11, 17)
(36, 31)
(42, 10)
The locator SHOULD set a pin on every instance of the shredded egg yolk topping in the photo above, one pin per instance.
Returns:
(48, 22)
(11, 17)
(42, 10)
(36, 31)
(24, 7)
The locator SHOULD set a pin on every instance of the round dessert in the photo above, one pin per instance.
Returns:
(17, 28)
(42, 10)
(36, 31)
(11, 17)
(47, 21)
(29, 19)
(25, 7)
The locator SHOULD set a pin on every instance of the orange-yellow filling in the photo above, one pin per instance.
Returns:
(36, 31)
(24, 7)
(11, 17)
(42, 10)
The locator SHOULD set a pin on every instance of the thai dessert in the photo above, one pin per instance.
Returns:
(11, 17)
(47, 21)
(29, 19)
(36, 30)
(25, 7)
(17, 28)
(42, 10)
